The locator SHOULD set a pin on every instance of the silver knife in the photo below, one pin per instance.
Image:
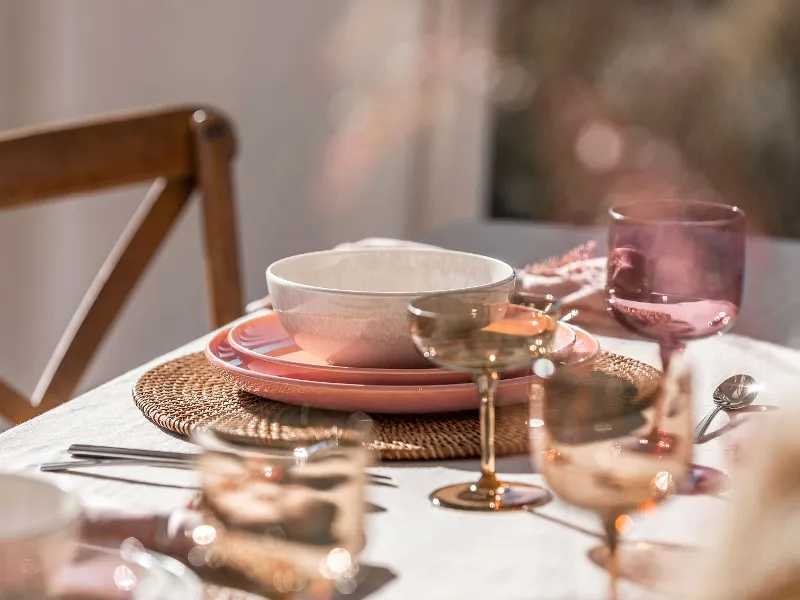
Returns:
(90, 451)
(99, 462)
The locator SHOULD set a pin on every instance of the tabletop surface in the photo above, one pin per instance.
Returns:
(415, 550)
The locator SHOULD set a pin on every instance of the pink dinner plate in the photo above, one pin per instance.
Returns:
(263, 346)
(387, 399)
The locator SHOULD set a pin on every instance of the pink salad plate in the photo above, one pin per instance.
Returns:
(263, 346)
(386, 399)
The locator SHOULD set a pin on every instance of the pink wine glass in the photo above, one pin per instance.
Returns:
(675, 270)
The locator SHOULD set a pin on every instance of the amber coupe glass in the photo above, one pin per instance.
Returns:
(486, 334)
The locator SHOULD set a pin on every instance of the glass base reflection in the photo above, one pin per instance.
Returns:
(663, 568)
(504, 497)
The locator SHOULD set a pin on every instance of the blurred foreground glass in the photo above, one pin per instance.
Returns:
(590, 424)
(288, 522)
(485, 334)
(675, 270)
(40, 525)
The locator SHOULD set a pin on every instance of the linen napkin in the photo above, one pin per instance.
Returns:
(577, 278)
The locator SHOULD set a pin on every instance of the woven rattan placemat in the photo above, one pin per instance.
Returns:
(186, 393)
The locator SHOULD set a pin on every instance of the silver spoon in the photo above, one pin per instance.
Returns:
(734, 393)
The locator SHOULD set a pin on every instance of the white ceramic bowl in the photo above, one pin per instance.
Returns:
(348, 307)
(39, 531)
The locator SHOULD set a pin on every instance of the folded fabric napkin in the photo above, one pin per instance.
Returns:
(578, 279)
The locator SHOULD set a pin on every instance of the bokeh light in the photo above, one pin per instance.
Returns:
(124, 578)
(204, 535)
(623, 524)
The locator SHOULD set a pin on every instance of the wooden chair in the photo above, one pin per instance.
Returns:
(181, 149)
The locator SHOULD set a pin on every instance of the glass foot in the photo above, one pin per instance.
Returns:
(506, 496)
(664, 568)
(705, 480)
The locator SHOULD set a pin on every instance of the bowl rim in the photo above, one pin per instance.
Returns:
(327, 290)
(68, 517)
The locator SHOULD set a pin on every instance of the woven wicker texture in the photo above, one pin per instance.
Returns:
(186, 393)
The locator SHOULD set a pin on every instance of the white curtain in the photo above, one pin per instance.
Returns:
(288, 73)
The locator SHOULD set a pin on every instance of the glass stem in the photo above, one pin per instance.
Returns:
(667, 349)
(486, 381)
(612, 564)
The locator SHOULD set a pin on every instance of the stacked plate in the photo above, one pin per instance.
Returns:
(258, 356)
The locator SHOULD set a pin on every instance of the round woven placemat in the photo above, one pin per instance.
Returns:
(186, 393)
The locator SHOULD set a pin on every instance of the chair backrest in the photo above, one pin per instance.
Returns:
(180, 149)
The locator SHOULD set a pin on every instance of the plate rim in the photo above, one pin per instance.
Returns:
(221, 336)
(433, 372)
(239, 348)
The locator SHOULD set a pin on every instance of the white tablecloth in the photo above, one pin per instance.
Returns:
(418, 551)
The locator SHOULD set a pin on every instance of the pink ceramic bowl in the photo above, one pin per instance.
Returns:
(348, 307)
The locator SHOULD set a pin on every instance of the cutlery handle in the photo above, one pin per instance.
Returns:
(55, 467)
(703, 425)
(90, 451)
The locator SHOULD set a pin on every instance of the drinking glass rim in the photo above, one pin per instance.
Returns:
(434, 314)
(555, 300)
(734, 213)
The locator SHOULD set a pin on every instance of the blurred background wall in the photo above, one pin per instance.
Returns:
(364, 118)
(287, 72)
(676, 98)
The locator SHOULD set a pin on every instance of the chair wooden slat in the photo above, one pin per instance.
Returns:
(182, 149)
(15, 407)
(215, 148)
(38, 164)
(110, 289)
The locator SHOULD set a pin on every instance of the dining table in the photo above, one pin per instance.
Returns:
(416, 550)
